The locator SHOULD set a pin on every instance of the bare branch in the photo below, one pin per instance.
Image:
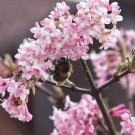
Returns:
(113, 80)
(73, 88)
(97, 96)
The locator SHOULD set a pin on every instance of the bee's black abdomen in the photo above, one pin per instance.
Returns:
(59, 78)
(62, 71)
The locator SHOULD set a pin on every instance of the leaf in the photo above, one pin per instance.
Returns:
(119, 68)
(9, 61)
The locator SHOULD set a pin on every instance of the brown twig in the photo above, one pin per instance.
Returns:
(103, 126)
(97, 96)
(73, 88)
(113, 79)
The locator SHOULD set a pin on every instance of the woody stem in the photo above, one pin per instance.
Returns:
(98, 97)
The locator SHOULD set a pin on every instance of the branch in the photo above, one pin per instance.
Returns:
(113, 79)
(73, 88)
(103, 126)
(97, 96)
(43, 89)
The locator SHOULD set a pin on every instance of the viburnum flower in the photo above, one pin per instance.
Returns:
(119, 110)
(17, 91)
(17, 108)
(106, 62)
(15, 104)
(77, 118)
(128, 124)
(31, 62)
(91, 18)
(60, 10)
(65, 35)
(4, 85)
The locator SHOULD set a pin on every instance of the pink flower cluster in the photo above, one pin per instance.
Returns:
(31, 60)
(15, 103)
(128, 124)
(119, 110)
(77, 118)
(66, 35)
(106, 62)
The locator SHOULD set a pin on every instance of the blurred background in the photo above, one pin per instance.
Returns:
(16, 19)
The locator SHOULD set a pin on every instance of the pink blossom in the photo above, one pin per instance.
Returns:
(67, 35)
(18, 90)
(119, 110)
(15, 104)
(128, 124)
(3, 85)
(17, 108)
(32, 63)
(38, 31)
(91, 18)
(115, 17)
(61, 10)
(106, 62)
(71, 121)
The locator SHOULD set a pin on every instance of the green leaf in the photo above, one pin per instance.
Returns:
(119, 68)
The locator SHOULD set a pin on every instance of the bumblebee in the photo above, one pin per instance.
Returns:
(62, 70)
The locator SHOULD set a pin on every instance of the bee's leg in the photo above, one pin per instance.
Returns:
(59, 80)
(68, 82)
(60, 83)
